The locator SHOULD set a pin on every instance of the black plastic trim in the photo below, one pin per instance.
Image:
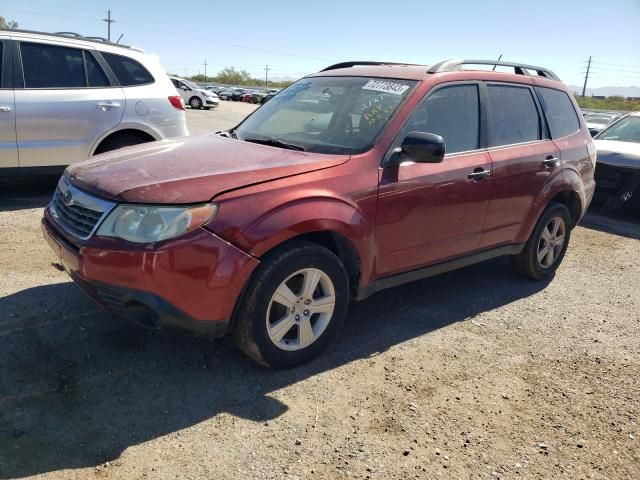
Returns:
(432, 270)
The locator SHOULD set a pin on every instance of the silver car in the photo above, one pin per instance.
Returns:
(64, 97)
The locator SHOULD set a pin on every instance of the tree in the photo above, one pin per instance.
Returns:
(8, 25)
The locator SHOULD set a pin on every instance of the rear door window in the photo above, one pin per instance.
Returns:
(558, 108)
(50, 66)
(453, 113)
(128, 71)
(514, 116)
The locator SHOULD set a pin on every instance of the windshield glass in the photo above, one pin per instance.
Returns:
(191, 85)
(626, 130)
(338, 115)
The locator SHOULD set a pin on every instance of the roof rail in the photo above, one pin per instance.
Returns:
(359, 63)
(73, 35)
(519, 68)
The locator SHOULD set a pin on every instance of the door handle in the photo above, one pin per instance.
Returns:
(551, 161)
(479, 173)
(4, 108)
(104, 106)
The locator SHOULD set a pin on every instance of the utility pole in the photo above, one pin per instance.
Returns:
(109, 21)
(205, 71)
(185, 73)
(586, 77)
(266, 76)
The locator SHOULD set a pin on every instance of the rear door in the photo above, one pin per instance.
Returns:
(8, 146)
(523, 156)
(428, 213)
(65, 102)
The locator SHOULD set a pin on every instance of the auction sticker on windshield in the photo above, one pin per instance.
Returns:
(387, 87)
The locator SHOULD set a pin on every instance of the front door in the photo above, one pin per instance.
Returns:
(66, 104)
(428, 213)
(8, 147)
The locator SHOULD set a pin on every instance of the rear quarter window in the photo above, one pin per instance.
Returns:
(128, 71)
(558, 108)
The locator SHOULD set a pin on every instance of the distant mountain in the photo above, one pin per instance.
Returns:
(608, 91)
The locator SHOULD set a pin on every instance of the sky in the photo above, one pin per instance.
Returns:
(300, 37)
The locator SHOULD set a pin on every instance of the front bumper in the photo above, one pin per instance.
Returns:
(191, 282)
(209, 102)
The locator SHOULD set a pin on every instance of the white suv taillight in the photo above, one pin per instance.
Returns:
(177, 102)
(591, 149)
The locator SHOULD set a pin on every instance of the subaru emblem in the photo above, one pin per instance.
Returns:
(67, 198)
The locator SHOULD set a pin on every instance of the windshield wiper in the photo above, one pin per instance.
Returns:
(274, 142)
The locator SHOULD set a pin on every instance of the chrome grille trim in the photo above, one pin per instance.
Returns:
(77, 212)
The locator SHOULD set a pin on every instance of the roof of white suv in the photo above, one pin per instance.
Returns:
(71, 37)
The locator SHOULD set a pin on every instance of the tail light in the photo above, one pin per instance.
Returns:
(177, 102)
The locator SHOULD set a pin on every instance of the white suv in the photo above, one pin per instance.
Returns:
(195, 96)
(64, 97)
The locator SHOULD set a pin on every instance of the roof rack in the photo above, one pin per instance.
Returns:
(359, 63)
(519, 68)
(73, 35)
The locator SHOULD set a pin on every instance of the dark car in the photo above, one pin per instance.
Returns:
(360, 177)
(618, 167)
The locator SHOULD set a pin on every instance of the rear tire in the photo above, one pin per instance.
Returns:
(545, 249)
(294, 304)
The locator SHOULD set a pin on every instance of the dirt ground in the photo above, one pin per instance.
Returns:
(474, 374)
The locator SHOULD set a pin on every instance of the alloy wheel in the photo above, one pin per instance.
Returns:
(300, 309)
(551, 242)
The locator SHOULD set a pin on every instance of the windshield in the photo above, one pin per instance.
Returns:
(626, 130)
(338, 115)
(191, 85)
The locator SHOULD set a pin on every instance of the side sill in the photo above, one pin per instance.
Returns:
(432, 270)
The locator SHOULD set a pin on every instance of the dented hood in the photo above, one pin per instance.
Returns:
(190, 169)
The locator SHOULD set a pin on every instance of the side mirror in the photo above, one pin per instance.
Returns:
(422, 147)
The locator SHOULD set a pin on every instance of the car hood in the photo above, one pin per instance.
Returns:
(619, 154)
(190, 169)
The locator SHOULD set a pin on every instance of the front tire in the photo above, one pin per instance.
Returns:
(545, 249)
(294, 305)
(195, 103)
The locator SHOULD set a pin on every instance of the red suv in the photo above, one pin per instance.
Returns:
(360, 177)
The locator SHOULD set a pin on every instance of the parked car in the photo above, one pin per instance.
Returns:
(266, 232)
(225, 94)
(596, 122)
(71, 97)
(195, 96)
(618, 168)
(237, 93)
(254, 96)
(267, 97)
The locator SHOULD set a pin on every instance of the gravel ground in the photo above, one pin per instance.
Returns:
(474, 374)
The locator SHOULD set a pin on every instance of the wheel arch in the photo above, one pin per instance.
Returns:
(144, 133)
(560, 192)
(335, 223)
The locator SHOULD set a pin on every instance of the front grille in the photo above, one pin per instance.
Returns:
(75, 218)
(77, 212)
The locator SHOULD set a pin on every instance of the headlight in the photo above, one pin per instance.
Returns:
(148, 223)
